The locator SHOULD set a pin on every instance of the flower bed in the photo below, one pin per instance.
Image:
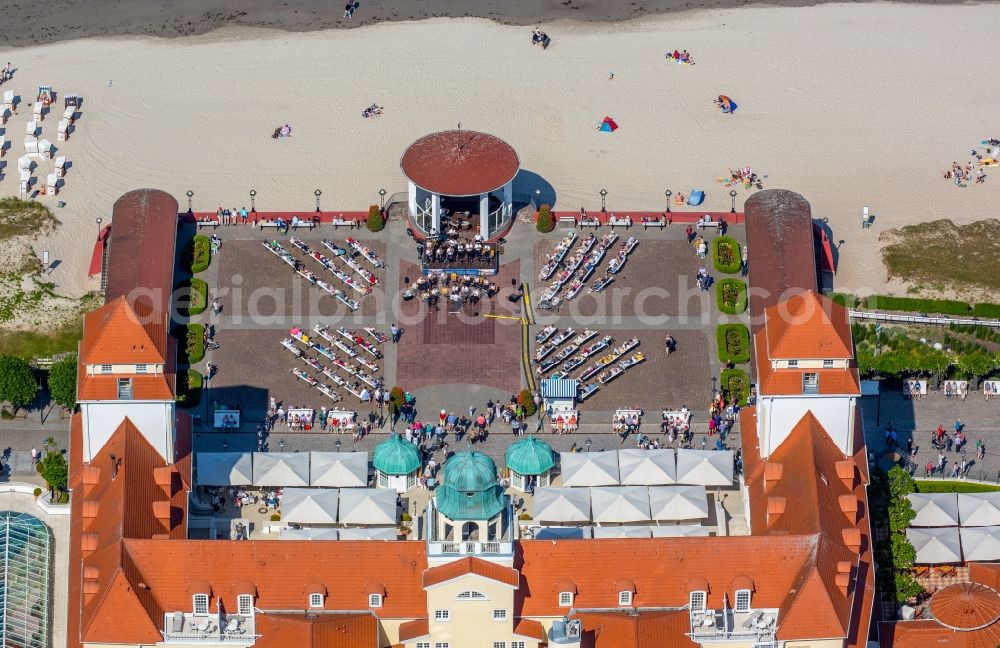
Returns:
(192, 337)
(733, 343)
(189, 384)
(726, 254)
(197, 296)
(731, 296)
(735, 382)
(199, 254)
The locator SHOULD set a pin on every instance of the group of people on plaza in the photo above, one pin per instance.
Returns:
(458, 289)
(226, 216)
(452, 250)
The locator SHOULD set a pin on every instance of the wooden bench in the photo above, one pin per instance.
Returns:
(623, 221)
(659, 222)
(208, 223)
(263, 224)
(589, 222)
(702, 224)
(301, 223)
(567, 220)
(338, 222)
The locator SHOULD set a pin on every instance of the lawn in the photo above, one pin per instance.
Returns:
(935, 486)
(942, 253)
(31, 344)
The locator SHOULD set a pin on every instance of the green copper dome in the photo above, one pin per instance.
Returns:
(470, 490)
(529, 456)
(396, 456)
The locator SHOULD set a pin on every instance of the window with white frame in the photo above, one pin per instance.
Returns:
(244, 605)
(140, 368)
(698, 601)
(470, 595)
(423, 644)
(828, 364)
(625, 598)
(201, 603)
(105, 368)
(499, 644)
(442, 615)
(499, 615)
(316, 600)
(565, 599)
(383, 479)
(374, 600)
(441, 644)
(517, 644)
(793, 363)
(743, 600)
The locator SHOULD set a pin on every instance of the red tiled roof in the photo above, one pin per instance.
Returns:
(966, 606)
(788, 382)
(636, 630)
(530, 629)
(413, 630)
(463, 566)
(987, 574)
(459, 163)
(808, 326)
(317, 631)
(117, 333)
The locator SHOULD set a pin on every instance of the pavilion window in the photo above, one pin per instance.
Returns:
(625, 598)
(316, 600)
(697, 601)
(375, 600)
(742, 600)
(565, 599)
(244, 605)
(200, 604)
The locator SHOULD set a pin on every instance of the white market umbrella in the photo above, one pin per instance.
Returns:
(314, 533)
(281, 469)
(934, 509)
(367, 506)
(338, 469)
(980, 543)
(561, 504)
(589, 468)
(705, 467)
(309, 505)
(224, 469)
(622, 532)
(679, 531)
(620, 504)
(979, 509)
(935, 545)
(639, 467)
(564, 533)
(369, 533)
(678, 502)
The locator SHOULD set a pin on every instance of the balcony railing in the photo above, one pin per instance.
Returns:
(758, 626)
(187, 628)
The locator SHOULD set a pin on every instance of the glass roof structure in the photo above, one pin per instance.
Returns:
(25, 580)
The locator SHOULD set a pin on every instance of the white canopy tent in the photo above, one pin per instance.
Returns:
(705, 467)
(314, 533)
(935, 546)
(620, 504)
(224, 469)
(309, 505)
(367, 506)
(980, 543)
(369, 533)
(679, 531)
(561, 504)
(979, 509)
(678, 502)
(338, 469)
(589, 468)
(281, 469)
(934, 509)
(622, 532)
(563, 533)
(639, 467)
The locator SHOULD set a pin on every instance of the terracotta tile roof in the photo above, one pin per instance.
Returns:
(966, 606)
(808, 326)
(636, 630)
(530, 629)
(413, 630)
(463, 566)
(117, 333)
(459, 163)
(788, 382)
(987, 574)
(317, 631)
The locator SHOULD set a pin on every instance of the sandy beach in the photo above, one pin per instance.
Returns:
(849, 105)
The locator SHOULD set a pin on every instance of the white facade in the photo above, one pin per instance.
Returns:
(778, 415)
(154, 419)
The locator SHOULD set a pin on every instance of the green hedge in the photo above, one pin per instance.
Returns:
(731, 296)
(991, 311)
(726, 254)
(198, 254)
(733, 342)
(193, 338)
(934, 486)
(545, 222)
(189, 384)
(846, 300)
(197, 296)
(735, 382)
(916, 305)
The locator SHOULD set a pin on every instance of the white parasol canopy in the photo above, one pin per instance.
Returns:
(979, 509)
(980, 543)
(639, 467)
(369, 533)
(622, 532)
(678, 502)
(620, 503)
(935, 545)
(314, 533)
(562, 504)
(589, 468)
(679, 531)
(338, 469)
(309, 505)
(564, 533)
(225, 469)
(280, 469)
(934, 509)
(367, 506)
(705, 467)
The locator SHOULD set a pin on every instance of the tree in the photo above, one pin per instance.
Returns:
(62, 382)
(55, 472)
(17, 382)
(375, 219)
(978, 363)
(900, 483)
(906, 587)
(545, 223)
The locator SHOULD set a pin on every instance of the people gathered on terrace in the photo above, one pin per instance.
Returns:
(455, 252)
(457, 289)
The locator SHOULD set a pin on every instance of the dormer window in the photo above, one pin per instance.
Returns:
(316, 600)
(124, 389)
(374, 600)
(742, 600)
(810, 383)
(200, 604)
(244, 605)
(565, 599)
(625, 598)
(697, 601)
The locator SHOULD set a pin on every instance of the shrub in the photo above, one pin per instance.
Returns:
(733, 342)
(189, 386)
(17, 382)
(916, 305)
(735, 382)
(199, 254)
(991, 311)
(54, 471)
(731, 295)
(276, 517)
(63, 498)
(397, 399)
(37, 492)
(6, 415)
(524, 516)
(194, 343)
(545, 222)
(726, 254)
(62, 382)
(935, 486)
(197, 296)
(376, 222)
(406, 517)
(844, 299)
(527, 401)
